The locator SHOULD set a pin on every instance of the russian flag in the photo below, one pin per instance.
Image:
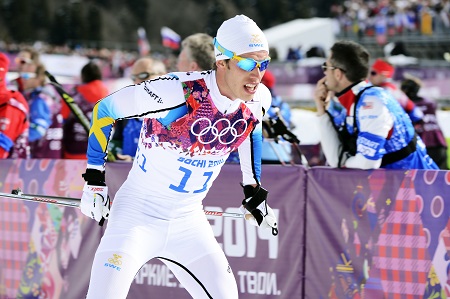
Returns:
(170, 38)
(143, 44)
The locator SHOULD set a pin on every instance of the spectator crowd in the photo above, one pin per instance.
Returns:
(384, 17)
(36, 122)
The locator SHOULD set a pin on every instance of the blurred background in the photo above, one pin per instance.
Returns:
(109, 30)
(414, 35)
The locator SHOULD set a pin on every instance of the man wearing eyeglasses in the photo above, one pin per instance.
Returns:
(146, 68)
(124, 142)
(365, 127)
(192, 121)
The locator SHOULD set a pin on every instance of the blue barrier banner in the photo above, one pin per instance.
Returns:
(377, 234)
(368, 234)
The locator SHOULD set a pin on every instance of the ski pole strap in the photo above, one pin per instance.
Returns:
(254, 197)
(94, 177)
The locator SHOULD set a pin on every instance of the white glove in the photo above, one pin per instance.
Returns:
(269, 220)
(95, 202)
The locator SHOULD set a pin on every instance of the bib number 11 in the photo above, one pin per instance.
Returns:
(187, 174)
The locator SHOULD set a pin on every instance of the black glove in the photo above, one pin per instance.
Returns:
(94, 177)
(259, 212)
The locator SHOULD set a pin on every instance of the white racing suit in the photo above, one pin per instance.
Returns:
(188, 131)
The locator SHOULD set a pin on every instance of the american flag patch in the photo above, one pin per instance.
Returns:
(367, 105)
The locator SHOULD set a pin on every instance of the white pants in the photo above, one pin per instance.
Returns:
(185, 244)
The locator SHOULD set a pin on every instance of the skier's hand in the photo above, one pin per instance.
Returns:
(256, 209)
(95, 202)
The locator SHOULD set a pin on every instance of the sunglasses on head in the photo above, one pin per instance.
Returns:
(247, 64)
(325, 67)
(141, 76)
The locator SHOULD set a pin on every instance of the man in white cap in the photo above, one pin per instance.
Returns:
(192, 121)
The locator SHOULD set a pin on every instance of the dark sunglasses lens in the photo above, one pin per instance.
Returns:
(373, 73)
(264, 65)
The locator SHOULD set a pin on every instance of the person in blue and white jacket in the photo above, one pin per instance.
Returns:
(191, 122)
(365, 127)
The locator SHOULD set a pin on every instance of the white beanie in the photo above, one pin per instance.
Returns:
(240, 35)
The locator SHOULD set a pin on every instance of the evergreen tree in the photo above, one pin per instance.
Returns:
(20, 21)
(76, 22)
(58, 35)
(139, 9)
(94, 19)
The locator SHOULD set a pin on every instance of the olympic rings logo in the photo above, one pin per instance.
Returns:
(227, 130)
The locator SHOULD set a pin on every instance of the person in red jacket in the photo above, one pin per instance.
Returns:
(13, 118)
(381, 74)
(91, 90)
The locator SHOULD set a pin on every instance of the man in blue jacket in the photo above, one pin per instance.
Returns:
(365, 127)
